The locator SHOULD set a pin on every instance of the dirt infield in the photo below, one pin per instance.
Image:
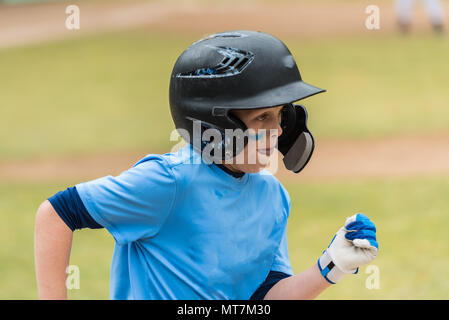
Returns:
(332, 160)
(32, 23)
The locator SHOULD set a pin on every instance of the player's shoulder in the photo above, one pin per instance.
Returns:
(169, 159)
(176, 163)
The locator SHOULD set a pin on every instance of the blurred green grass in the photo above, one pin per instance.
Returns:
(411, 216)
(109, 91)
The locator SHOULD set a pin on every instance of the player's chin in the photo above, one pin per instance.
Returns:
(254, 163)
(255, 168)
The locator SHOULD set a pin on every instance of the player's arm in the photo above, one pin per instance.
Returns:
(56, 219)
(52, 245)
(354, 245)
(302, 286)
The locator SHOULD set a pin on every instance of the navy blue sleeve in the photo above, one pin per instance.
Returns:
(272, 278)
(71, 209)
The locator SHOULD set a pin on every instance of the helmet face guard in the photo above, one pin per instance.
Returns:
(239, 70)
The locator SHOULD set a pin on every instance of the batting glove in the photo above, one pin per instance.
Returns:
(352, 246)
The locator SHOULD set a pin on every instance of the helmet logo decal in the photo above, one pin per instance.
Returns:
(234, 62)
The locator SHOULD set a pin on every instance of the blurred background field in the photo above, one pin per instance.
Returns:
(98, 96)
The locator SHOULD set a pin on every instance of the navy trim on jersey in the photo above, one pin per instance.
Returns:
(71, 209)
(272, 278)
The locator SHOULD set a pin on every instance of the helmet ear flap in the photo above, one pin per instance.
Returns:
(296, 142)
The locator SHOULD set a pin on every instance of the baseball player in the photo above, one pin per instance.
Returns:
(197, 223)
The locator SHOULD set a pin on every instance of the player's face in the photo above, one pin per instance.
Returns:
(263, 132)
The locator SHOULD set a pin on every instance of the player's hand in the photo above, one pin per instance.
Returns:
(353, 245)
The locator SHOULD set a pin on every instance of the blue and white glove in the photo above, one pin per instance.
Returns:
(353, 245)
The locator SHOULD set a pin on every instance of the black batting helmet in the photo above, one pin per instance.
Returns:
(241, 70)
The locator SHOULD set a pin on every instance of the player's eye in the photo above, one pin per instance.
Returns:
(265, 116)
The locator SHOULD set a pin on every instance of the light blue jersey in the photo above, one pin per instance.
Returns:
(188, 230)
